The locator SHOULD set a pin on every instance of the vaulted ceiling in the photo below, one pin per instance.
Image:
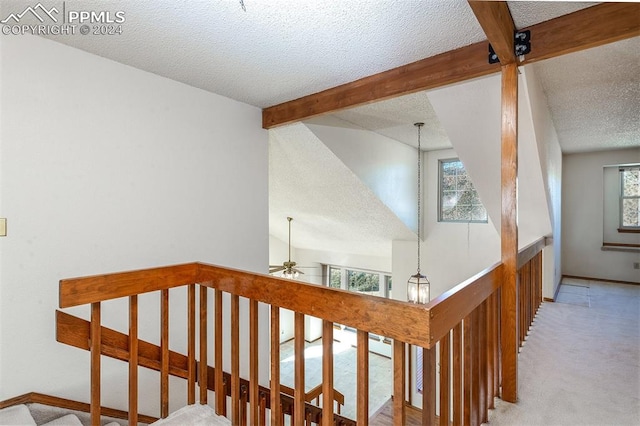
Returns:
(267, 52)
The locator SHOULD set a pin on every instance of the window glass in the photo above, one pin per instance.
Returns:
(334, 278)
(630, 197)
(459, 200)
(363, 282)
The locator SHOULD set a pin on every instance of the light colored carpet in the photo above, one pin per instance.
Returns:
(580, 364)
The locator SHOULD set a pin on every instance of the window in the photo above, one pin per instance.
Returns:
(629, 198)
(335, 280)
(359, 281)
(458, 201)
(363, 282)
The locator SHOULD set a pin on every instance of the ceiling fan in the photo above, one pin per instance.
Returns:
(288, 268)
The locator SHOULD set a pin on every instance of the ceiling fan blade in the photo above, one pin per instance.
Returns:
(274, 268)
(298, 271)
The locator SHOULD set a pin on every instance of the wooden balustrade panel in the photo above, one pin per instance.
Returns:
(133, 360)
(164, 347)
(191, 344)
(95, 362)
(276, 411)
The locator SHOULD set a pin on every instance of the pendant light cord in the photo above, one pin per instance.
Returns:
(419, 126)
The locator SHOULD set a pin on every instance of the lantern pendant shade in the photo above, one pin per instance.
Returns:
(418, 289)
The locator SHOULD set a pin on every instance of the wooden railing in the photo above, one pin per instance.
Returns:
(460, 329)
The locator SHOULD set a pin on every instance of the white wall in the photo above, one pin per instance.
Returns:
(550, 162)
(386, 166)
(582, 218)
(450, 252)
(108, 168)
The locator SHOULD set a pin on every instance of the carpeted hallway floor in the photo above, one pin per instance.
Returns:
(580, 364)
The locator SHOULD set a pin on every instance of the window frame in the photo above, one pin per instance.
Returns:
(621, 227)
(440, 194)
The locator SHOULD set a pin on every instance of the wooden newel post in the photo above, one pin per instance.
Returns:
(509, 233)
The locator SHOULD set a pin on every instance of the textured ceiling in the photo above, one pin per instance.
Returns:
(594, 96)
(276, 50)
(333, 209)
(280, 50)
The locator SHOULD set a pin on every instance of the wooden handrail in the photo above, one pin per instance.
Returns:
(527, 253)
(452, 306)
(98, 288)
(394, 319)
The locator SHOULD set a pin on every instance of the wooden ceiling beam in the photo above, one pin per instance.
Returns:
(496, 22)
(591, 27)
(586, 28)
(446, 68)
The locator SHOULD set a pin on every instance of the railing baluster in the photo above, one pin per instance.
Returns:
(191, 344)
(299, 387)
(235, 359)
(133, 360)
(482, 357)
(164, 347)
(253, 361)
(429, 386)
(203, 346)
(363, 379)
(244, 392)
(489, 350)
(276, 416)
(262, 421)
(475, 355)
(444, 379)
(468, 368)
(220, 394)
(95, 363)
(327, 373)
(457, 375)
(398, 383)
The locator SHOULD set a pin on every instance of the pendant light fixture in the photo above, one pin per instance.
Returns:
(418, 284)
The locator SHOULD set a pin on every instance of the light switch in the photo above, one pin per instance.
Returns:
(3, 226)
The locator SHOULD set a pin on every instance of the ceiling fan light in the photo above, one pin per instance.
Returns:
(290, 274)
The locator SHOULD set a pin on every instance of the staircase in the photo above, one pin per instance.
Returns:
(44, 415)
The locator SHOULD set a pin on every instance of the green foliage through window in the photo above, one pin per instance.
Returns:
(363, 282)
